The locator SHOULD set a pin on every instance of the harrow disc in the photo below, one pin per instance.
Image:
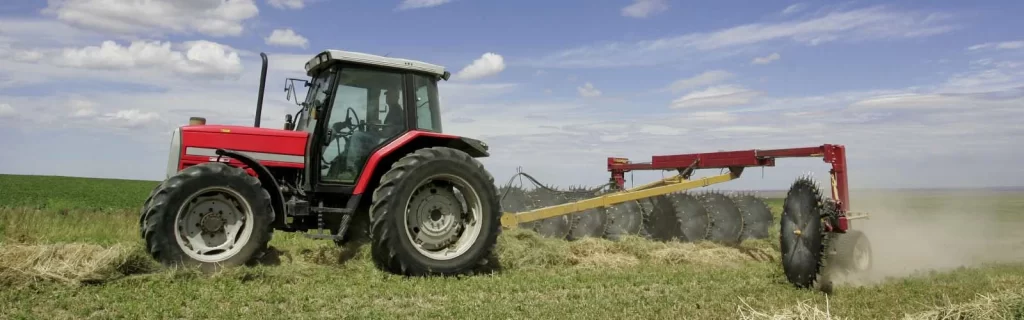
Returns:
(554, 227)
(624, 219)
(686, 221)
(589, 223)
(802, 233)
(757, 217)
(660, 220)
(726, 221)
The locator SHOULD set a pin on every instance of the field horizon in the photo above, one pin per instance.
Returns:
(69, 248)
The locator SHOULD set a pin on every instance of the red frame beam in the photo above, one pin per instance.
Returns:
(831, 153)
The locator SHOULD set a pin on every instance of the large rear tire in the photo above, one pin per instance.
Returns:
(802, 233)
(420, 226)
(210, 215)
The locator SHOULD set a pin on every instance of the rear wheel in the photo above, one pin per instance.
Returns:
(209, 215)
(436, 212)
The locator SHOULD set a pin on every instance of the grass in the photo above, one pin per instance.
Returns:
(81, 258)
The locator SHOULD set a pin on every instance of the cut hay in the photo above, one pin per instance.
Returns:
(524, 249)
(70, 263)
(801, 311)
(1004, 305)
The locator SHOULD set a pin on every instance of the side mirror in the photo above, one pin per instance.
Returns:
(288, 124)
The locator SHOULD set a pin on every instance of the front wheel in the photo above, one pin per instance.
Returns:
(209, 215)
(436, 212)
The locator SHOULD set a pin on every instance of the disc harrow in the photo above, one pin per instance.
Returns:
(813, 228)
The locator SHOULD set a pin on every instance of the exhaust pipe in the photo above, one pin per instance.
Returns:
(263, 84)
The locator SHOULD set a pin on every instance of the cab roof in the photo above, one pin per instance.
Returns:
(371, 59)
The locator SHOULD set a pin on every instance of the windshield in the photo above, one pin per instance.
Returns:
(319, 89)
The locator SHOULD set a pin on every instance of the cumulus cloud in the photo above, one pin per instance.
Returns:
(716, 96)
(286, 38)
(588, 91)
(209, 17)
(703, 79)
(766, 59)
(199, 57)
(487, 65)
(417, 4)
(644, 8)
(7, 110)
(873, 23)
(287, 4)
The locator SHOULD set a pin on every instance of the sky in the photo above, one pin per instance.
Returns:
(922, 93)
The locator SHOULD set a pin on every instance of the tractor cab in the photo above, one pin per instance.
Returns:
(358, 102)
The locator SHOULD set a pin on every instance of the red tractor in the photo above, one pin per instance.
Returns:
(365, 151)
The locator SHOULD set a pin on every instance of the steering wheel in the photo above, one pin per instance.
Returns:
(338, 132)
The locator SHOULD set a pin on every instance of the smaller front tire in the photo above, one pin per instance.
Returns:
(210, 215)
(853, 252)
(436, 212)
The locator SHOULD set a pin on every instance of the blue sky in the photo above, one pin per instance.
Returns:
(924, 94)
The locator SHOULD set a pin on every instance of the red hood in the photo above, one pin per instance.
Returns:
(273, 147)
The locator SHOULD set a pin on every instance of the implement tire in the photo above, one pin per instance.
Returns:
(220, 208)
(853, 252)
(426, 179)
(802, 233)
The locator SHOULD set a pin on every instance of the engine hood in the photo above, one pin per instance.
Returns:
(272, 147)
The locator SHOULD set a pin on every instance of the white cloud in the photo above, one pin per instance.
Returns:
(716, 96)
(703, 79)
(200, 57)
(1006, 45)
(855, 25)
(131, 17)
(766, 59)
(417, 4)
(488, 64)
(81, 108)
(644, 8)
(588, 91)
(794, 8)
(286, 37)
(287, 4)
(7, 110)
(131, 118)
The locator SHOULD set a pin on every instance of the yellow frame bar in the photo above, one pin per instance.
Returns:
(657, 188)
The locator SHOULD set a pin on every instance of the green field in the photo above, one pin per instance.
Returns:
(69, 248)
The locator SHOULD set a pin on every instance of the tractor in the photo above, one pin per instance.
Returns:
(363, 159)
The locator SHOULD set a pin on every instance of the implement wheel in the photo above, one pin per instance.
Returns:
(436, 212)
(623, 219)
(209, 215)
(802, 233)
(853, 251)
(725, 218)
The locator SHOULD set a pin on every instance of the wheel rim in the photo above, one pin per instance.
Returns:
(437, 222)
(213, 225)
(861, 256)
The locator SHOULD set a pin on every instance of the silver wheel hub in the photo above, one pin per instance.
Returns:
(443, 217)
(213, 224)
(435, 211)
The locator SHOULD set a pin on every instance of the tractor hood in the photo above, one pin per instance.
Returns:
(272, 147)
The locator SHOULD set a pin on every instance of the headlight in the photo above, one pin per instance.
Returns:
(174, 156)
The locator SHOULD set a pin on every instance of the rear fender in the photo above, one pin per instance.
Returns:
(266, 180)
(380, 161)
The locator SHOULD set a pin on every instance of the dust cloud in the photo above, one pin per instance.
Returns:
(918, 231)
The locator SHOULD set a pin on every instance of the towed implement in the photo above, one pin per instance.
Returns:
(364, 159)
